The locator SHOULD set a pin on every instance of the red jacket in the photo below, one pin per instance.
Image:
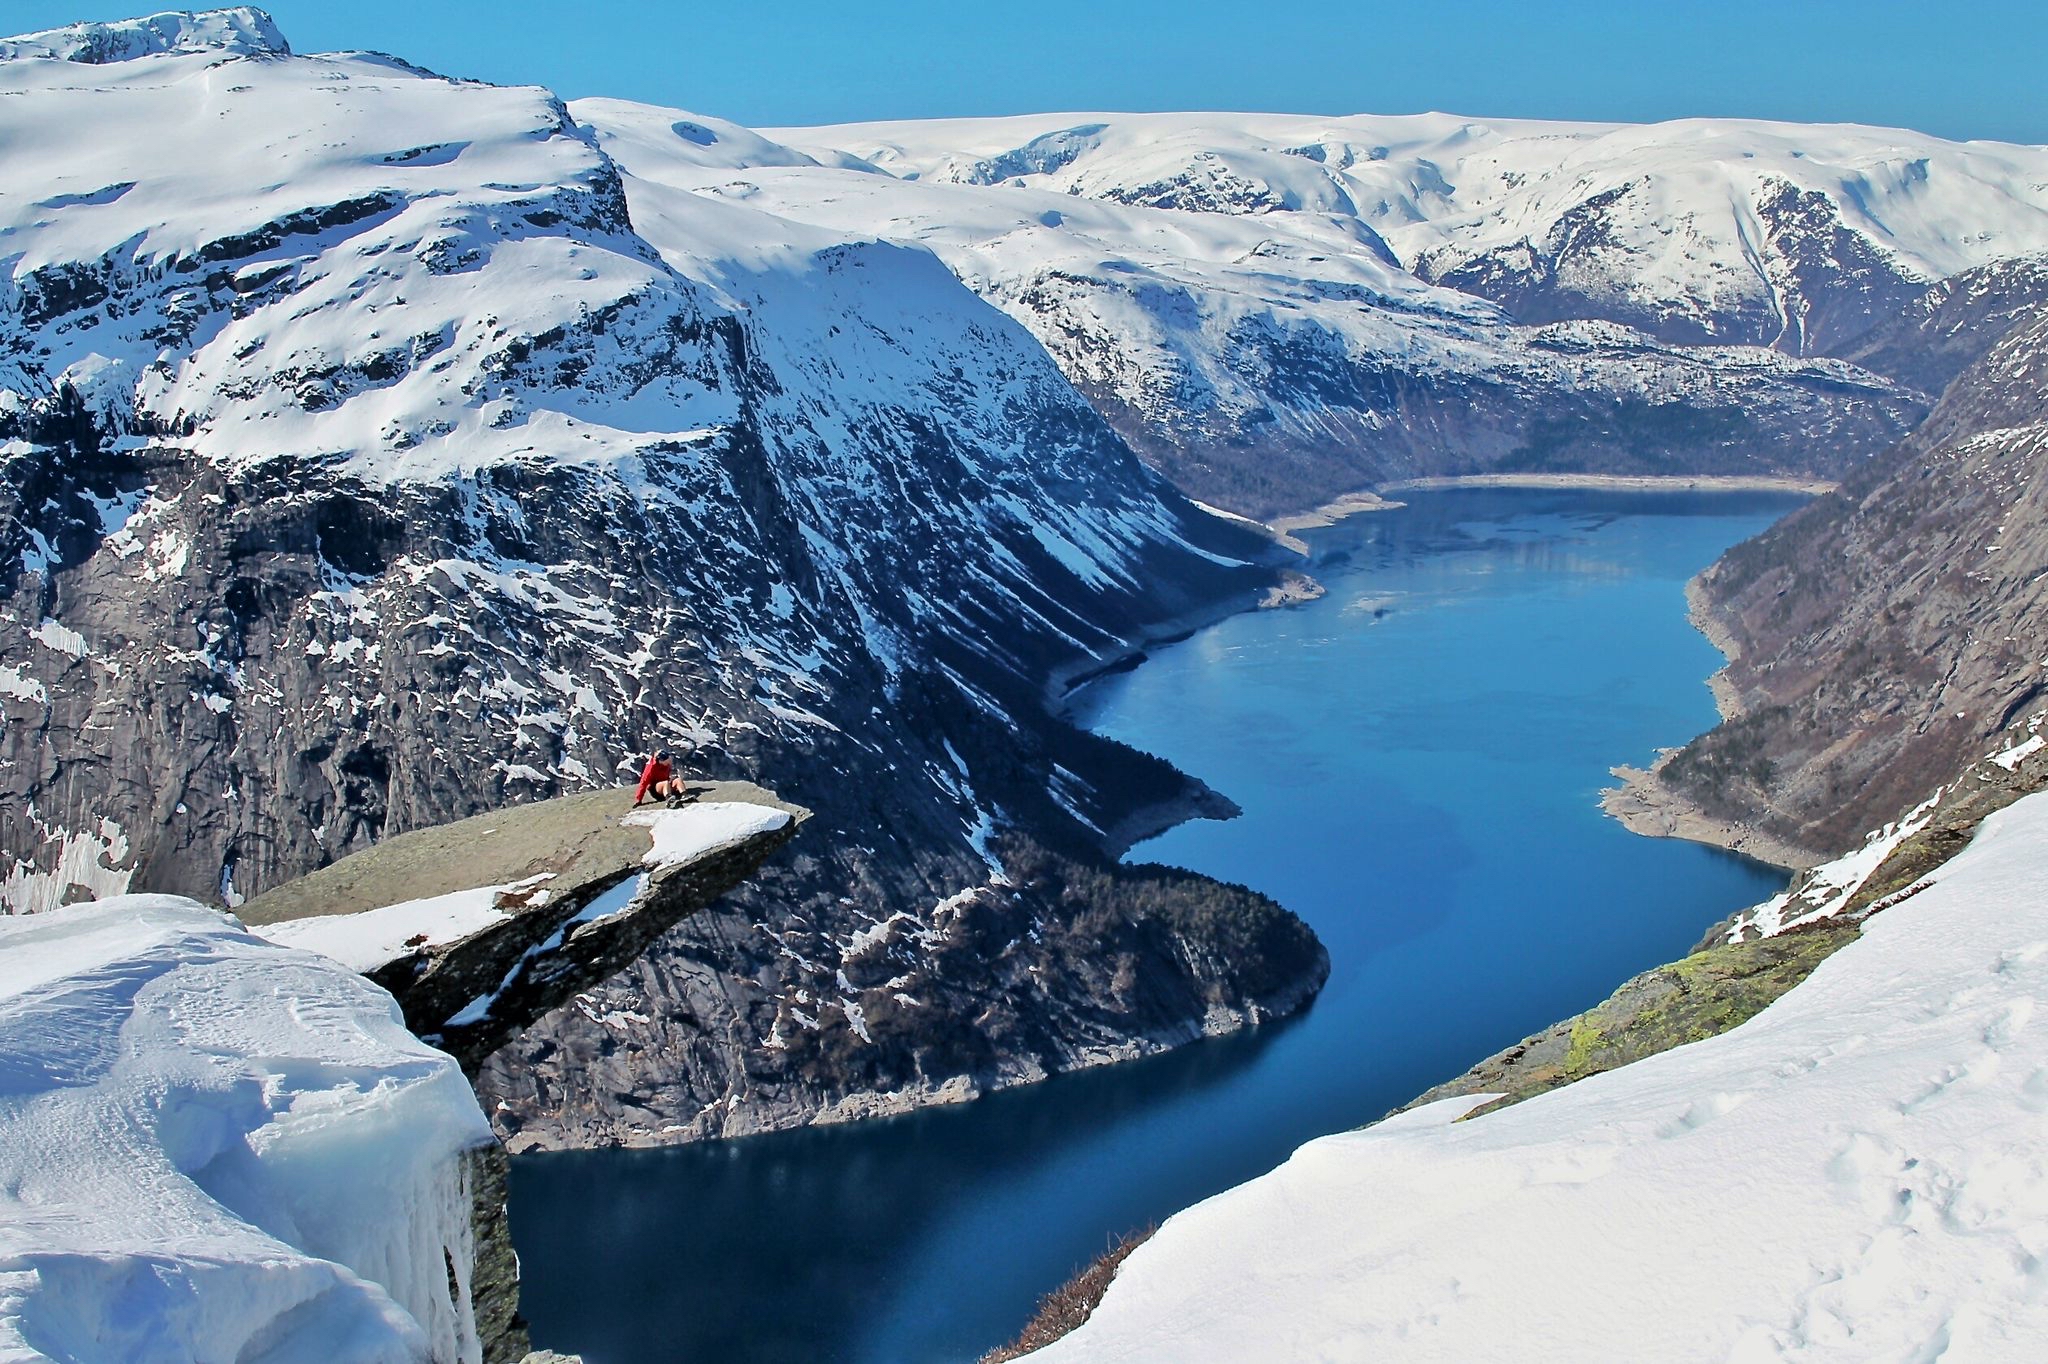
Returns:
(656, 770)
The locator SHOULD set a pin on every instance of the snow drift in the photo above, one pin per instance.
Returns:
(213, 1148)
(1859, 1172)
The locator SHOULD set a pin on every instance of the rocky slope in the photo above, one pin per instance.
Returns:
(375, 455)
(1880, 637)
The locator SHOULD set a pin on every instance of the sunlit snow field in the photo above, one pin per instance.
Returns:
(1418, 756)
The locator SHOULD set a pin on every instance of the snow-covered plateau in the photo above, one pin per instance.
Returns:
(1859, 1172)
(213, 1148)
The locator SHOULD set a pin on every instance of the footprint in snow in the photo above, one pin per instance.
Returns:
(1703, 1111)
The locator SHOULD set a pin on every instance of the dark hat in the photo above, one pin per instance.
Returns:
(661, 755)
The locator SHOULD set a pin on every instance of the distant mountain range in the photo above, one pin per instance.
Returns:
(1275, 309)
(380, 448)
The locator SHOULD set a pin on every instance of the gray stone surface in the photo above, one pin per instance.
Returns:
(494, 1274)
(539, 958)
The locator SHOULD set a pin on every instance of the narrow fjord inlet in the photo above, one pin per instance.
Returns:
(1418, 756)
(668, 694)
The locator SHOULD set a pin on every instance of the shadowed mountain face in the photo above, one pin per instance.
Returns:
(384, 472)
(1883, 636)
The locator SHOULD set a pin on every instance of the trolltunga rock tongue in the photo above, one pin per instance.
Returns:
(482, 926)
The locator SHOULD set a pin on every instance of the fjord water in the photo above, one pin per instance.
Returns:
(1418, 756)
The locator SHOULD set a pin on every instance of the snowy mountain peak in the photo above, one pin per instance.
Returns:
(242, 31)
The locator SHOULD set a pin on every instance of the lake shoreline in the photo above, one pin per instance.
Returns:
(1334, 729)
(1699, 483)
(1285, 528)
(1642, 802)
(1646, 804)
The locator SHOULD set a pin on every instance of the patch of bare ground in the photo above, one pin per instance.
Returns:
(1067, 1306)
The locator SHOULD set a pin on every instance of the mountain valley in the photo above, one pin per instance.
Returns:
(380, 449)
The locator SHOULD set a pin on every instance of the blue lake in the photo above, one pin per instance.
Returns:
(1419, 757)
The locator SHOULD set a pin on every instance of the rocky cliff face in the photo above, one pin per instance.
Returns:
(483, 927)
(367, 466)
(1952, 323)
(1882, 636)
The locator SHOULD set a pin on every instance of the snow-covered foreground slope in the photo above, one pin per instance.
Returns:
(214, 1148)
(1858, 1173)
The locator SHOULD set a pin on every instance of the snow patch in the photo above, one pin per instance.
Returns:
(87, 859)
(365, 941)
(687, 834)
(59, 638)
(2012, 757)
(15, 682)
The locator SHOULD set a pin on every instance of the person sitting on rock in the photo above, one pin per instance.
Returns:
(659, 779)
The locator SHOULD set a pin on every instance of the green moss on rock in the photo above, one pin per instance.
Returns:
(1701, 996)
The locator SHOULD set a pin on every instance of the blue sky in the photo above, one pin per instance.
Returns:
(1956, 70)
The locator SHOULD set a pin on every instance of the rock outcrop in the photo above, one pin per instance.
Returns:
(483, 927)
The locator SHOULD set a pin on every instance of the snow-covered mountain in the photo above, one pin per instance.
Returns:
(376, 453)
(1268, 362)
(1277, 309)
(380, 448)
(1707, 230)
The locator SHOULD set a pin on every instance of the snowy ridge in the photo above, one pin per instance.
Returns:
(212, 1147)
(1692, 223)
(1224, 334)
(243, 31)
(1879, 1128)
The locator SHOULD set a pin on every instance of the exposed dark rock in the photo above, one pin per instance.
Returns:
(494, 1270)
(1935, 337)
